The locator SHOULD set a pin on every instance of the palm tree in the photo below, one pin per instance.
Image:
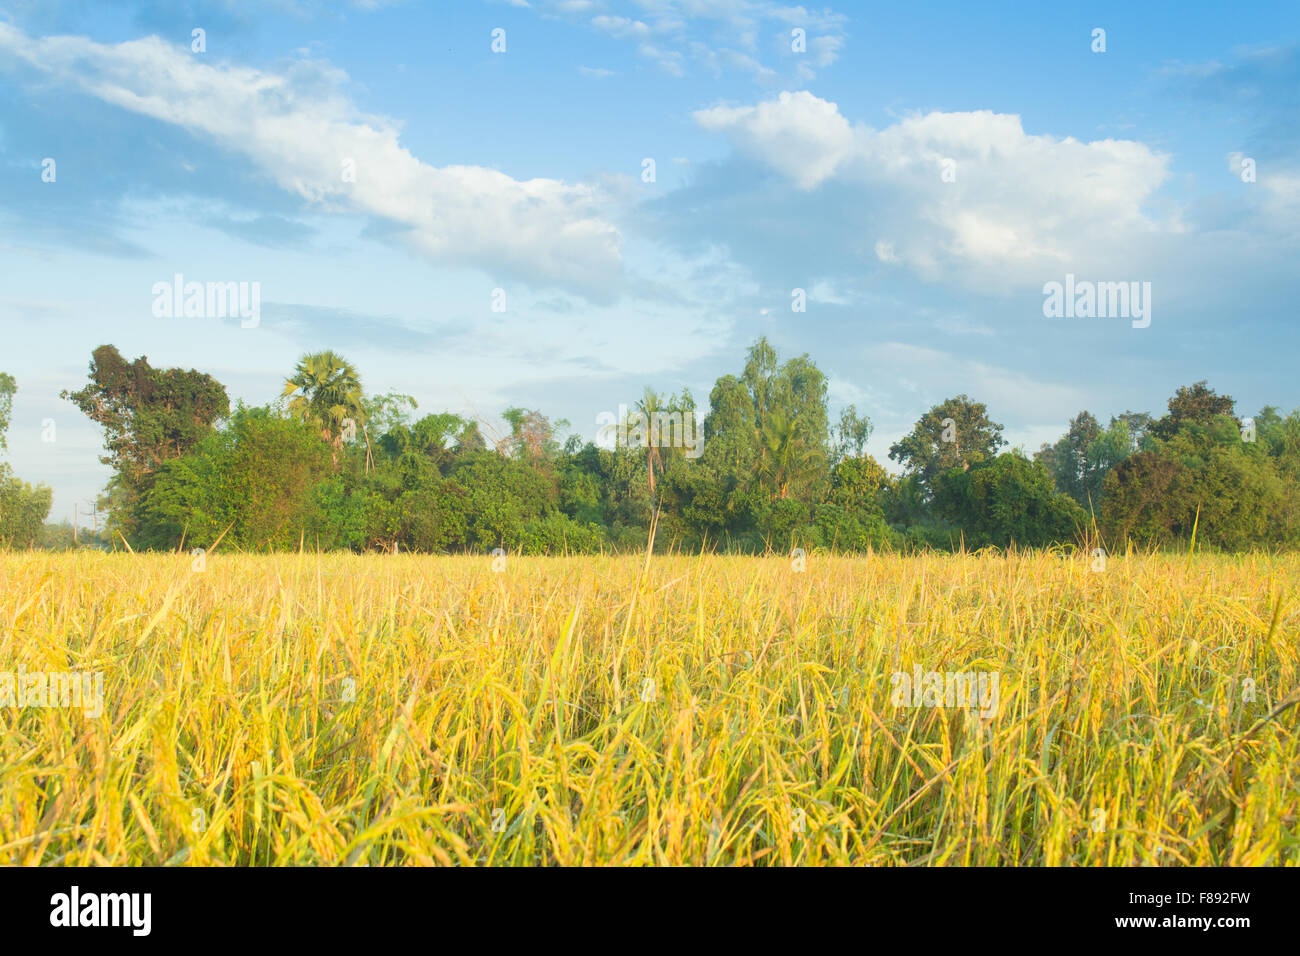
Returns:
(326, 393)
(784, 453)
(649, 407)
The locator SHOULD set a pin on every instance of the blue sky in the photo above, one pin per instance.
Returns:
(775, 169)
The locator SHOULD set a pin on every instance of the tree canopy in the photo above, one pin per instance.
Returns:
(330, 467)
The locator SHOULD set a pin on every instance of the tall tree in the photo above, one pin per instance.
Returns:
(1068, 459)
(787, 413)
(957, 433)
(785, 454)
(1139, 428)
(531, 438)
(325, 392)
(470, 439)
(1196, 404)
(388, 411)
(149, 415)
(851, 434)
(649, 408)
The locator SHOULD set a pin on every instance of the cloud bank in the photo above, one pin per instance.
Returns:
(301, 130)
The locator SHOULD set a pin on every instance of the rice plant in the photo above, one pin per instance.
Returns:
(335, 709)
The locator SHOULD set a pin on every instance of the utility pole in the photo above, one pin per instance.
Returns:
(75, 504)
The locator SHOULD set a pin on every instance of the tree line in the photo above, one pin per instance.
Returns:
(327, 466)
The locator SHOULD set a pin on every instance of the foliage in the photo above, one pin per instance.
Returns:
(257, 482)
(956, 433)
(150, 416)
(7, 388)
(772, 474)
(23, 508)
(325, 392)
(1008, 500)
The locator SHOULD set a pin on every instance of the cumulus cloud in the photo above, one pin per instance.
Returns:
(301, 130)
(800, 136)
(959, 190)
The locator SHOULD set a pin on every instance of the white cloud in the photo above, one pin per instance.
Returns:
(1026, 205)
(798, 135)
(825, 50)
(299, 128)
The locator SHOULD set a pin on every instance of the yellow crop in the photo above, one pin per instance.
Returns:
(405, 710)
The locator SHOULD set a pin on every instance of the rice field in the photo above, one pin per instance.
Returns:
(343, 710)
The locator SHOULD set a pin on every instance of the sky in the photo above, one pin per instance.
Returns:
(556, 203)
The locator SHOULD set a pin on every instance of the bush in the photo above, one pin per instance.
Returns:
(1008, 500)
(256, 478)
(849, 529)
(559, 534)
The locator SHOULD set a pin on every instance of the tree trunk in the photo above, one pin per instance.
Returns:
(370, 462)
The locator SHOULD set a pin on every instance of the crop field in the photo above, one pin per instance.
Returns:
(303, 709)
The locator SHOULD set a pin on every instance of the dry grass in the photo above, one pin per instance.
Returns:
(297, 709)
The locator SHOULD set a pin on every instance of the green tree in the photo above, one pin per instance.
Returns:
(785, 455)
(499, 496)
(766, 434)
(325, 392)
(150, 416)
(649, 408)
(955, 434)
(858, 482)
(1197, 404)
(532, 436)
(1081, 459)
(1007, 500)
(23, 508)
(258, 478)
(1203, 475)
(432, 439)
(851, 434)
(1068, 460)
(383, 413)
